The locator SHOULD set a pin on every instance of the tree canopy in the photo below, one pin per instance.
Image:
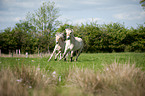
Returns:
(142, 2)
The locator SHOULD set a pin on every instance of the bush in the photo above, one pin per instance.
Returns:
(113, 37)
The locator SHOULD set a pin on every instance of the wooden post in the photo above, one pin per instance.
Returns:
(19, 52)
(41, 55)
(16, 51)
(26, 54)
(0, 53)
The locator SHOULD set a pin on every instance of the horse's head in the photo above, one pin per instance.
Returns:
(59, 37)
(69, 33)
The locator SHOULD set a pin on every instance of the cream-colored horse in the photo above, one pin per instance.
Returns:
(72, 44)
(59, 47)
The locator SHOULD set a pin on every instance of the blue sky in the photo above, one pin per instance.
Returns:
(74, 12)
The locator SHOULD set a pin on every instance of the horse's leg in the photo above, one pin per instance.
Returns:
(57, 55)
(78, 54)
(66, 57)
(71, 58)
(60, 55)
(52, 55)
(64, 54)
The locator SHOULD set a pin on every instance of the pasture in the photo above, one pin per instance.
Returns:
(93, 74)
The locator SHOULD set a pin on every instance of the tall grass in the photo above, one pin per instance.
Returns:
(9, 85)
(113, 80)
(21, 80)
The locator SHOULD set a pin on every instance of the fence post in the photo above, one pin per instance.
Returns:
(19, 52)
(16, 51)
(0, 53)
(26, 54)
(41, 55)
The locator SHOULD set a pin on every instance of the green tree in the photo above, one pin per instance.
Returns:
(45, 20)
(7, 41)
(142, 2)
(23, 34)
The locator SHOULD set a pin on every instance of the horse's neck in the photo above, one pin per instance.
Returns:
(72, 40)
(61, 43)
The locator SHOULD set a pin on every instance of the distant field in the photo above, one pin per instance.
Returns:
(86, 60)
(94, 74)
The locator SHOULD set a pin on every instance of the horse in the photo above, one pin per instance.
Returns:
(72, 44)
(59, 47)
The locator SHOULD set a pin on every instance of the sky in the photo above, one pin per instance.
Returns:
(127, 12)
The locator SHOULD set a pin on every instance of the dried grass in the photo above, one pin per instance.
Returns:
(20, 81)
(35, 77)
(114, 80)
(9, 85)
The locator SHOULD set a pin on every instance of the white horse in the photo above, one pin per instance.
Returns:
(72, 44)
(59, 47)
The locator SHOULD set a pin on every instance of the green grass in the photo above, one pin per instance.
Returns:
(98, 71)
(93, 61)
(90, 60)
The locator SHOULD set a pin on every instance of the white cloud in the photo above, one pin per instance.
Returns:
(25, 4)
(19, 3)
(75, 20)
(7, 13)
(91, 2)
(87, 20)
(10, 19)
(16, 19)
(130, 16)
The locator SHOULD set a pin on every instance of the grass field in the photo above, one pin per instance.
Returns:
(93, 74)
(92, 61)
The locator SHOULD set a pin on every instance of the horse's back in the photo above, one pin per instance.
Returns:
(79, 39)
(79, 43)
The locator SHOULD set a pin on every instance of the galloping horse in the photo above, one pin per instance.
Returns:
(72, 44)
(59, 47)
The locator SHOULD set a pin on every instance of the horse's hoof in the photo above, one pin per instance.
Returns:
(71, 60)
(75, 59)
(65, 59)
